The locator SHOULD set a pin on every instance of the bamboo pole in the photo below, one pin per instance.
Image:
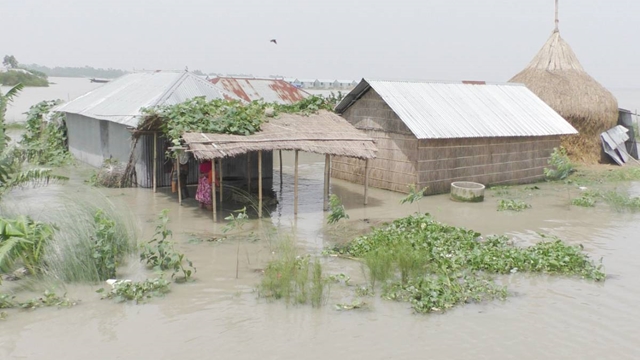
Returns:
(327, 165)
(249, 173)
(179, 184)
(155, 162)
(220, 177)
(295, 185)
(260, 184)
(366, 181)
(280, 154)
(213, 190)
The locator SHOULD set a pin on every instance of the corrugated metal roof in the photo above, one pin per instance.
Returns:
(269, 90)
(445, 110)
(120, 100)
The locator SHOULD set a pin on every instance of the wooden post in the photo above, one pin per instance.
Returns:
(327, 166)
(295, 185)
(280, 154)
(366, 181)
(220, 177)
(260, 184)
(179, 184)
(155, 162)
(213, 190)
(249, 173)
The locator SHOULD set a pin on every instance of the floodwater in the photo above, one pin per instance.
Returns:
(64, 89)
(220, 317)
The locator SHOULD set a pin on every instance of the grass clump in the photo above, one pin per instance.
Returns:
(435, 266)
(294, 279)
(138, 292)
(615, 199)
(512, 205)
(585, 200)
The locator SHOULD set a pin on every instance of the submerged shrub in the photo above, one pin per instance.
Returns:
(45, 140)
(512, 205)
(560, 167)
(336, 210)
(136, 291)
(159, 253)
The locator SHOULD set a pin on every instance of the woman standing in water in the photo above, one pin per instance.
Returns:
(203, 193)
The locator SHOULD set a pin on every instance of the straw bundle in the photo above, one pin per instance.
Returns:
(556, 76)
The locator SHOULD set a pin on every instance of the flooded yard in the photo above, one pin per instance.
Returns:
(220, 316)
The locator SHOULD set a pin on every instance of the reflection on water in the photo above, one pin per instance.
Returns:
(219, 316)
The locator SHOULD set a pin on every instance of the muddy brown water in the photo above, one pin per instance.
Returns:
(220, 317)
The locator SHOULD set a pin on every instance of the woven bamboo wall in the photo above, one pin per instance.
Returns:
(490, 161)
(395, 164)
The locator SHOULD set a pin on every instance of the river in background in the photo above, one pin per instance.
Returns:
(220, 317)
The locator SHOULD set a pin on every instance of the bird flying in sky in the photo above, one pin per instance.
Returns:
(273, 41)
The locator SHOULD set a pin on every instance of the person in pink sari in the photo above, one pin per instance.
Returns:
(203, 193)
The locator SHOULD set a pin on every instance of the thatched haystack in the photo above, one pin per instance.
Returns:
(556, 76)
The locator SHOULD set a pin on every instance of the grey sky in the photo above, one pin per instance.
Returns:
(401, 39)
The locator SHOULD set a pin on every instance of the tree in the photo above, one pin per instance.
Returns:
(10, 61)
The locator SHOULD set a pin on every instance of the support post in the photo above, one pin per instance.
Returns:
(220, 177)
(295, 184)
(280, 155)
(249, 173)
(213, 190)
(327, 172)
(155, 162)
(366, 181)
(177, 162)
(260, 184)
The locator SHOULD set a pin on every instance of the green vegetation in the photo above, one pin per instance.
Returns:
(109, 175)
(560, 165)
(48, 299)
(79, 72)
(435, 266)
(45, 142)
(10, 61)
(512, 205)
(618, 201)
(223, 116)
(336, 210)
(294, 279)
(5, 100)
(414, 196)
(136, 291)
(159, 253)
(23, 240)
(14, 77)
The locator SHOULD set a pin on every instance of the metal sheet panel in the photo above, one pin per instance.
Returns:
(268, 90)
(121, 100)
(445, 110)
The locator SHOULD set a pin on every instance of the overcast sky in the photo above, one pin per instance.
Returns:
(347, 39)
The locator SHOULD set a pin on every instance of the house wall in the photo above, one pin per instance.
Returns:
(396, 163)
(490, 161)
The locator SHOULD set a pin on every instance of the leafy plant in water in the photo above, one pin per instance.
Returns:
(585, 200)
(48, 299)
(440, 266)
(336, 210)
(160, 254)
(23, 239)
(512, 205)
(560, 165)
(45, 141)
(414, 195)
(136, 291)
(107, 252)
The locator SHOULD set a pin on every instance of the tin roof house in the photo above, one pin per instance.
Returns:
(434, 133)
(100, 122)
(268, 90)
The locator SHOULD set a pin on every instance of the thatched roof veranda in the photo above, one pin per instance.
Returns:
(321, 133)
(557, 77)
